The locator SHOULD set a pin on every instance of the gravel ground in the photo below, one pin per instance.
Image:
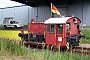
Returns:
(85, 45)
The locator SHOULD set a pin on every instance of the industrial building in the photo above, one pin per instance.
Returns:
(42, 11)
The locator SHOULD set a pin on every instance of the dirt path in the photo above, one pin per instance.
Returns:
(15, 58)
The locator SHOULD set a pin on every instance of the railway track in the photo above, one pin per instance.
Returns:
(81, 50)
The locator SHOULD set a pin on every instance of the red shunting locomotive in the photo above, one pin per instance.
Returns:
(63, 31)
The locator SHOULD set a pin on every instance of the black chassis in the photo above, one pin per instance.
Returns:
(74, 40)
(32, 37)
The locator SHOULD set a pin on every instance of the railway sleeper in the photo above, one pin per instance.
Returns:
(82, 50)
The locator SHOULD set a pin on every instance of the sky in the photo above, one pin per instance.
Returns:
(8, 3)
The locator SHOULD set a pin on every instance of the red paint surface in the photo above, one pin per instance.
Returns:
(36, 28)
(63, 35)
(50, 38)
(73, 29)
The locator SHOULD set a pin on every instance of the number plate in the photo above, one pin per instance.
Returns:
(34, 35)
(59, 38)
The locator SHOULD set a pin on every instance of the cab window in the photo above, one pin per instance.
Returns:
(68, 26)
(50, 28)
(60, 28)
(77, 25)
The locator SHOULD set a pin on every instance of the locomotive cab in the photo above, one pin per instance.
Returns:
(63, 31)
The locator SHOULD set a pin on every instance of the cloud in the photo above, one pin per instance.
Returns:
(8, 3)
(4, 1)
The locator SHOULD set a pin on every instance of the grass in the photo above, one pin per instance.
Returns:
(87, 39)
(10, 34)
(11, 48)
(87, 33)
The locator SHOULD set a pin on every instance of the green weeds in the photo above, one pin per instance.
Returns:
(11, 48)
(87, 39)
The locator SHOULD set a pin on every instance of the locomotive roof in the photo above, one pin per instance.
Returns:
(57, 20)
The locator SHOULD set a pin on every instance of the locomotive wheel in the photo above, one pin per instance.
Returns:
(48, 47)
(52, 47)
(22, 42)
(43, 45)
(55, 48)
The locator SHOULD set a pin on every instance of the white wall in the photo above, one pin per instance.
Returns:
(82, 11)
(86, 13)
(1, 21)
(8, 12)
(32, 13)
(21, 14)
(43, 12)
(76, 9)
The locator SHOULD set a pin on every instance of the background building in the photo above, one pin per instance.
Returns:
(24, 14)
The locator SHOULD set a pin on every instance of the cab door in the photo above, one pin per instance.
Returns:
(59, 33)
